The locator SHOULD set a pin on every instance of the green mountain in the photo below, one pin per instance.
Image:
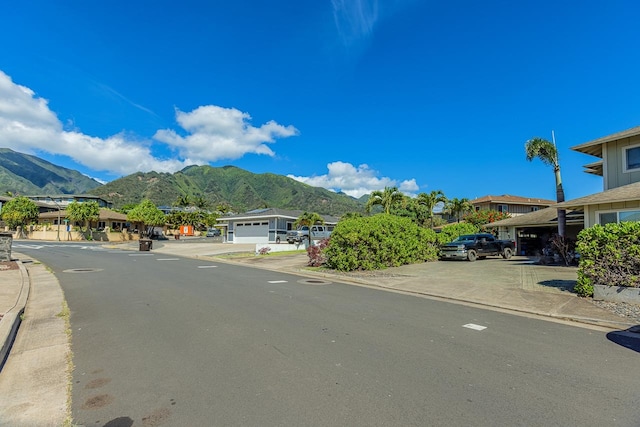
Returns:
(238, 188)
(29, 175)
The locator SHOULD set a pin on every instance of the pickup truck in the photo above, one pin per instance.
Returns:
(474, 246)
(318, 232)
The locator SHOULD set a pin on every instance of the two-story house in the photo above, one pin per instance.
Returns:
(513, 205)
(619, 166)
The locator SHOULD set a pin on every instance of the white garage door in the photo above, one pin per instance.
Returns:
(251, 232)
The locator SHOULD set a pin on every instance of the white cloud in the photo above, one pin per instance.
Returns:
(28, 125)
(356, 182)
(221, 133)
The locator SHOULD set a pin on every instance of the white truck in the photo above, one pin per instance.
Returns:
(318, 232)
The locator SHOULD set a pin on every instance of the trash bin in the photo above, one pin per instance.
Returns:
(146, 244)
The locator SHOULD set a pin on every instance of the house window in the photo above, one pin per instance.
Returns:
(534, 208)
(631, 158)
(619, 216)
(503, 208)
(477, 208)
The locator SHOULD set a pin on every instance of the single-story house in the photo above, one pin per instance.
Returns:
(268, 225)
(54, 225)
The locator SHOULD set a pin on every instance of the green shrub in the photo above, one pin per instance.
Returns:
(609, 255)
(377, 242)
(451, 232)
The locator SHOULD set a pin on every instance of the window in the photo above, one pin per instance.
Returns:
(534, 208)
(631, 157)
(503, 208)
(620, 216)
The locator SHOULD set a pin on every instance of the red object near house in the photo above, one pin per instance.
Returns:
(186, 230)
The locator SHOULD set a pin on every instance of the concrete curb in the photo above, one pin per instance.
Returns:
(12, 319)
(559, 317)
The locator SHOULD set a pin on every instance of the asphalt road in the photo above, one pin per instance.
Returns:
(163, 340)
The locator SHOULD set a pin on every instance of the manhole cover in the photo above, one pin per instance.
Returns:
(82, 270)
(314, 282)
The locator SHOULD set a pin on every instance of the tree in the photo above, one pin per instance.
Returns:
(429, 202)
(223, 208)
(182, 201)
(83, 213)
(484, 217)
(458, 207)
(386, 198)
(147, 214)
(19, 212)
(548, 153)
(308, 219)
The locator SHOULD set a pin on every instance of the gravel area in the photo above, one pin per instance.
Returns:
(622, 309)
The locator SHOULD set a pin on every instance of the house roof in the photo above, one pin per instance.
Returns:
(594, 147)
(272, 213)
(619, 194)
(105, 214)
(595, 168)
(546, 216)
(513, 200)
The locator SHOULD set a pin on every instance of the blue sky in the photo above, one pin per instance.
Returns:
(347, 95)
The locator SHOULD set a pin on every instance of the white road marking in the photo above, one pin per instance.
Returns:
(474, 327)
(207, 266)
(277, 281)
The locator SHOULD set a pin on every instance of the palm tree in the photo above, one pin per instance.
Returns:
(548, 153)
(386, 198)
(458, 207)
(429, 202)
(182, 201)
(308, 219)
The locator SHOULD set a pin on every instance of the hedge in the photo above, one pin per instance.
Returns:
(379, 241)
(609, 255)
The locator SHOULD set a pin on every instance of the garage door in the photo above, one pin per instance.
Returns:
(251, 232)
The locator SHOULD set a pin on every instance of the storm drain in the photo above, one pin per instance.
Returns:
(314, 282)
(82, 270)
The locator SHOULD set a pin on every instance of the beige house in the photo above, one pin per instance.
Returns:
(619, 166)
(54, 225)
(514, 205)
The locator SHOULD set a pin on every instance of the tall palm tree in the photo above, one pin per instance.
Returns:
(547, 152)
(386, 198)
(458, 207)
(429, 202)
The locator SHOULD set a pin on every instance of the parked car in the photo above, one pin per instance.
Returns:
(318, 232)
(213, 232)
(474, 246)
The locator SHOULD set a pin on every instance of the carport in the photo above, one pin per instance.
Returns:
(532, 231)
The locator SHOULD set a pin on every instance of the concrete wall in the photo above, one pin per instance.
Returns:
(6, 240)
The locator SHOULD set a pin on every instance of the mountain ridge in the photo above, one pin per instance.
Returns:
(230, 186)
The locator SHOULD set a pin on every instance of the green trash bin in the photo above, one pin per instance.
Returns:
(146, 245)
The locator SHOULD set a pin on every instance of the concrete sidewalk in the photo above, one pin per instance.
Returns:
(34, 381)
